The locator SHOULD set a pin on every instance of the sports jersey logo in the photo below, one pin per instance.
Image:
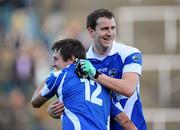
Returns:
(112, 72)
(103, 70)
(136, 58)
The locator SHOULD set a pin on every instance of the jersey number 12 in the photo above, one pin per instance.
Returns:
(92, 97)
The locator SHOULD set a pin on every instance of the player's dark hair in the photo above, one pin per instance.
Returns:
(70, 48)
(92, 18)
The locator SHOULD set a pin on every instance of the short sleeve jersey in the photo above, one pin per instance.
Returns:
(122, 59)
(87, 104)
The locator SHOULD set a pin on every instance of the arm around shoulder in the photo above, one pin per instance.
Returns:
(125, 86)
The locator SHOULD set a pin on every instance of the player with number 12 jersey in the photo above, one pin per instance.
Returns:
(87, 103)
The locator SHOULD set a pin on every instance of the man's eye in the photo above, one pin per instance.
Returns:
(113, 28)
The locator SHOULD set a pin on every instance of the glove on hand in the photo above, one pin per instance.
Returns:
(87, 68)
(79, 71)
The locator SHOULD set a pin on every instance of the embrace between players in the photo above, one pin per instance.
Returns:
(97, 93)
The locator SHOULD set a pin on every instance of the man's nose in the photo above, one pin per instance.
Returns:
(110, 32)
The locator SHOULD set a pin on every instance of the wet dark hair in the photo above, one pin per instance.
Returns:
(92, 18)
(70, 48)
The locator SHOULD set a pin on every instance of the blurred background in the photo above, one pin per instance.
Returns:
(29, 27)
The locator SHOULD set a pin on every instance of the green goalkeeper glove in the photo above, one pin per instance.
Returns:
(88, 68)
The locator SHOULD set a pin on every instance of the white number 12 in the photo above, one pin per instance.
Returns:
(92, 98)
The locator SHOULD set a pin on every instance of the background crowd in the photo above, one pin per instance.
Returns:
(27, 30)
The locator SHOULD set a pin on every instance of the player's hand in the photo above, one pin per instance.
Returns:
(79, 71)
(88, 68)
(56, 109)
(125, 122)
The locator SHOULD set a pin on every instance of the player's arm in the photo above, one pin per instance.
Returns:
(118, 114)
(38, 100)
(125, 86)
(125, 122)
(46, 90)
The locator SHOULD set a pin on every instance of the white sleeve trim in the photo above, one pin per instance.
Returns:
(44, 90)
(118, 105)
(132, 68)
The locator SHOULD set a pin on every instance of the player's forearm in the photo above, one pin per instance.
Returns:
(34, 101)
(125, 122)
(37, 100)
(129, 126)
(120, 86)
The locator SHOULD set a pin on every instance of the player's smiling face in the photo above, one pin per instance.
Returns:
(104, 32)
(58, 62)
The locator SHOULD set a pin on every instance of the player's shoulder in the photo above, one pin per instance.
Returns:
(89, 52)
(55, 73)
(123, 48)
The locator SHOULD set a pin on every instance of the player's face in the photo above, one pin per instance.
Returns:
(58, 62)
(104, 32)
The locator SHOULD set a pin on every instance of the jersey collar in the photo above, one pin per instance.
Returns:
(91, 54)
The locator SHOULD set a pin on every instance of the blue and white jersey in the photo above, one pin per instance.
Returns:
(87, 103)
(116, 108)
(122, 59)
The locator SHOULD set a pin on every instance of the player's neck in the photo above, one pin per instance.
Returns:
(101, 52)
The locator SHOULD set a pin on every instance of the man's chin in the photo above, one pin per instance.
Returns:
(106, 47)
(108, 44)
(56, 69)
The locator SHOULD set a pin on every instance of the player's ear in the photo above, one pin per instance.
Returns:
(72, 59)
(90, 30)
